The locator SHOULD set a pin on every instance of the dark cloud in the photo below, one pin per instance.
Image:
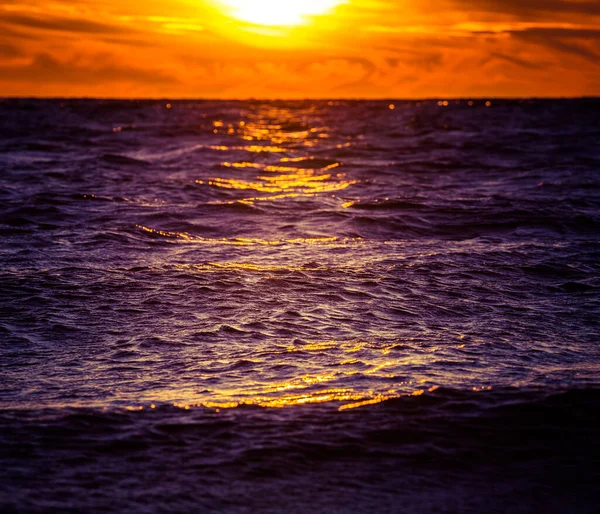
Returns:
(8, 51)
(128, 42)
(577, 42)
(558, 32)
(420, 59)
(531, 7)
(515, 60)
(16, 34)
(62, 24)
(45, 68)
(364, 63)
(567, 41)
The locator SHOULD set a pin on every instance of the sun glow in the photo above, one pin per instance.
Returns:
(277, 12)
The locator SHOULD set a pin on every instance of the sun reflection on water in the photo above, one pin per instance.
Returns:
(312, 388)
(312, 371)
(248, 241)
(343, 398)
(294, 176)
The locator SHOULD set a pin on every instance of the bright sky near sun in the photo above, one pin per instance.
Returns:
(277, 12)
(299, 48)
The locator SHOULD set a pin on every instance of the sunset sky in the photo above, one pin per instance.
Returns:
(299, 49)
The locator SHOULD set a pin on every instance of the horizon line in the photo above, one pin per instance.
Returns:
(297, 99)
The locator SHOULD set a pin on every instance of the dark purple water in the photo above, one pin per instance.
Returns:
(299, 307)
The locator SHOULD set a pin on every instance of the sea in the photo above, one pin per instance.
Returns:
(299, 306)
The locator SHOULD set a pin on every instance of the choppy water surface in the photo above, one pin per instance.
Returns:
(330, 306)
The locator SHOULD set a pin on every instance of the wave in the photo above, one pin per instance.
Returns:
(441, 451)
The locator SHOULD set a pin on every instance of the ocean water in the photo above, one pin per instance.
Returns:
(299, 306)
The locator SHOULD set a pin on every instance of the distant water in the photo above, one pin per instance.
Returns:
(299, 306)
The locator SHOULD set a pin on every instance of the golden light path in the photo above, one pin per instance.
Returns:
(277, 12)
(349, 398)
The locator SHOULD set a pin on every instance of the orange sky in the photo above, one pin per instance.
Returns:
(359, 48)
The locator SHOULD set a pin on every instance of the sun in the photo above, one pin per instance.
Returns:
(277, 12)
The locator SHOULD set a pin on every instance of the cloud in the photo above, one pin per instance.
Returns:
(46, 69)
(8, 51)
(562, 40)
(560, 32)
(531, 7)
(77, 25)
(16, 34)
(515, 60)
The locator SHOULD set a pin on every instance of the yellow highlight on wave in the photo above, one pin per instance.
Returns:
(277, 12)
